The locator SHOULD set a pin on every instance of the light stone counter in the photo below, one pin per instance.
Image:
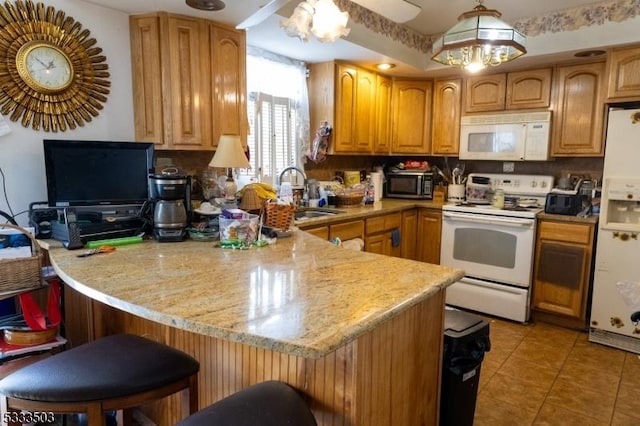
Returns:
(301, 296)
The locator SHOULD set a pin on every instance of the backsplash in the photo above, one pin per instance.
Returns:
(591, 167)
(195, 162)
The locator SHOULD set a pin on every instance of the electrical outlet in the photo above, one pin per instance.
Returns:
(508, 167)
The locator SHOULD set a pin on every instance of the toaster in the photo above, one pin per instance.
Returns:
(565, 204)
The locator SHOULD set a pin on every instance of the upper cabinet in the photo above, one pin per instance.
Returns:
(344, 96)
(411, 106)
(578, 120)
(516, 90)
(382, 141)
(188, 81)
(445, 130)
(623, 70)
(227, 80)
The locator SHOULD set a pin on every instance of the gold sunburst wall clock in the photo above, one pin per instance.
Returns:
(52, 75)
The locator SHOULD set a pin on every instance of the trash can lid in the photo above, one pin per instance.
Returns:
(457, 321)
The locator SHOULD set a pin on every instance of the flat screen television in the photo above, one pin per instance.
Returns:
(97, 173)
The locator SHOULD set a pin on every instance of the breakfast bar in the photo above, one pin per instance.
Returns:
(360, 334)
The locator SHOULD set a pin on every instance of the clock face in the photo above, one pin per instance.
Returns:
(44, 67)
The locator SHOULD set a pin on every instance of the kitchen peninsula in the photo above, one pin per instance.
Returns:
(359, 333)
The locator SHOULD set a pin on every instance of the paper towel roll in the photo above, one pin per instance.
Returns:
(376, 178)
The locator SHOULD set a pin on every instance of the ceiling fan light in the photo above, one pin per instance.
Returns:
(299, 23)
(481, 34)
(329, 23)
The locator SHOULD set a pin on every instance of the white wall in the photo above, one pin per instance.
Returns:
(21, 156)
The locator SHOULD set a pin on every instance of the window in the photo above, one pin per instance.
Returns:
(278, 112)
(272, 141)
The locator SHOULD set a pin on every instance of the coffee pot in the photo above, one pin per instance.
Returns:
(171, 194)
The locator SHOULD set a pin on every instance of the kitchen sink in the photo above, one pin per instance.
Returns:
(311, 212)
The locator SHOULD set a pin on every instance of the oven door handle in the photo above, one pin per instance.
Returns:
(490, 220)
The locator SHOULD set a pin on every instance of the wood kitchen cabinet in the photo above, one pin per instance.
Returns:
(429, 236)
(562, 272)
(227, 79)
(445, 131)
(345, 96)
(411, 104)
(512, 91)
(409, 234)
(578, 120)
(379, 234)
(623, 71)
(347, 230)
(320, 231)
(382, 141)
(188, 81)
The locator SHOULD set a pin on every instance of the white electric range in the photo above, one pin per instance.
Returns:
(495, 247)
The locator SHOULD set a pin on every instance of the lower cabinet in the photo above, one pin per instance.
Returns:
(562, 272)
(383, 234)
(392, 234)
(428, 240)
(321, 231)
(409, 234)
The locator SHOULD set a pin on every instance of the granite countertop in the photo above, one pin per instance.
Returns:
(302, 296)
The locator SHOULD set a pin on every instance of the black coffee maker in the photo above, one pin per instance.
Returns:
(170, 193)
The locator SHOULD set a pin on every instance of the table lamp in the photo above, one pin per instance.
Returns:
(229, 154)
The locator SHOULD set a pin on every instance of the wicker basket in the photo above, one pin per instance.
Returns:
(278, 215)
(30, 337)
(23, 273)
(349, 200)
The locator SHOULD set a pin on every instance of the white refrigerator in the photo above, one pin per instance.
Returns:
(615, 309)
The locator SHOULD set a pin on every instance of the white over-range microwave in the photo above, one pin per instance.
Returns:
(506, 137)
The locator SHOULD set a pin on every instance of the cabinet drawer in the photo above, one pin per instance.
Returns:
(322, 232)
(565, 231)
(346, 231)
(383, 223)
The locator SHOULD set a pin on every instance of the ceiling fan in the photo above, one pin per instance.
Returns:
(396, 10)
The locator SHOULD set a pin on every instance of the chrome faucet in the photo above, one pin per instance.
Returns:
(297, 169)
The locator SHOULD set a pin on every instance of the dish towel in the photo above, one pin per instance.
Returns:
(395, 237)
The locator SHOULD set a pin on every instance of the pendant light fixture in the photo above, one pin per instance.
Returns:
(478, 40)
(210, 5)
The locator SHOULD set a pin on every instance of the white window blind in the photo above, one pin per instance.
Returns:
(278, 111)
(272, 136)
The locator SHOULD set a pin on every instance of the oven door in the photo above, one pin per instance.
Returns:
(494, 248)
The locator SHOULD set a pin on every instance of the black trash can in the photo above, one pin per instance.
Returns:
(466, 339)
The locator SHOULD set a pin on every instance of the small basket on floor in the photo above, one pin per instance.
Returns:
(23, 273)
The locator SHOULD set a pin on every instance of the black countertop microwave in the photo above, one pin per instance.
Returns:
(409, 184)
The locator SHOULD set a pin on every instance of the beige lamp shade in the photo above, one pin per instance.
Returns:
(229, 153)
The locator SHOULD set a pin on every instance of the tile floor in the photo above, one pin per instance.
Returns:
(540, 374)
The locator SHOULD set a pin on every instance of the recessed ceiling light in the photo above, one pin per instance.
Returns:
(589, 53)
(385, 66)
(206, 4)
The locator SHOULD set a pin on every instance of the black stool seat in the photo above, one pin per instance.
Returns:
(111, 367)
(117, 372)
(270, 403)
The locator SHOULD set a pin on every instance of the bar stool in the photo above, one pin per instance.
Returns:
(270, 403)
(117, 372)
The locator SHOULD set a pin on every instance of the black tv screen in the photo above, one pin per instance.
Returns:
(92, 173)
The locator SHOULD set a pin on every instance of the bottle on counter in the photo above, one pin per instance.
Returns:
(369, 191)
(498, 199)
